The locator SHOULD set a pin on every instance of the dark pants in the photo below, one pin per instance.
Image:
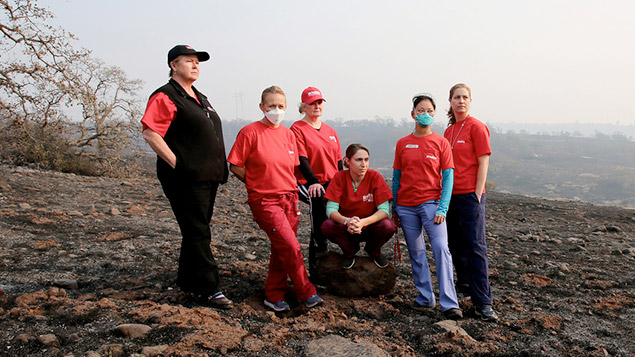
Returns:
(317, 210)
(375, 236)
(193, 205)
(466, 240)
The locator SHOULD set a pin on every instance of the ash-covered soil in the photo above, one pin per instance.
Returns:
(80, 256)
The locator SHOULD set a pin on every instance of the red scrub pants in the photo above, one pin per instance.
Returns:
(375, 236)
(278, 216)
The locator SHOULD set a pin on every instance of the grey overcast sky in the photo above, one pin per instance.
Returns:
(526, 61)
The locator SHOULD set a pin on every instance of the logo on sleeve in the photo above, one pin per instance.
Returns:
(333, 138)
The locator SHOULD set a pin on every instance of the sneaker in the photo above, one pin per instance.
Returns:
(219, 301)
(348, 263)
(418, 307)
(381, 262)
(453, 314)
(313, 301)
(486, 313)
(278, 306)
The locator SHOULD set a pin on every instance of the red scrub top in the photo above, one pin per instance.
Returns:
(468, 139)
(372, 192)
(322, 148)
(159, 114)
(421, 160)
(269, 156)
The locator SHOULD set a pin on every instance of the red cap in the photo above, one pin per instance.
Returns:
(311, 94)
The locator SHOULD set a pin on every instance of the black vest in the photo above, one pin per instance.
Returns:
(195, 136)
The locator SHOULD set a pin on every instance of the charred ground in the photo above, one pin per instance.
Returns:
(562, 274)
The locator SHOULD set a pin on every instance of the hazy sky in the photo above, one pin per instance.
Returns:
(526, 61)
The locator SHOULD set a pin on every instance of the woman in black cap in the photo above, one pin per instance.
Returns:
(182, 127)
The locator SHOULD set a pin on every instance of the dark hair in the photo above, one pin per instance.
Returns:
(421, 97)
(352, 149)
(450, 111)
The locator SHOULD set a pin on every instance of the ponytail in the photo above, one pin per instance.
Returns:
(450, 111)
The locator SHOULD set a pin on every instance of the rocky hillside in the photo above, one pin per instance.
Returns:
(88, 265)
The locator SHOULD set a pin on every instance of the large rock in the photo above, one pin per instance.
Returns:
(49, 340)
(453, 328)
(70, 284)
(152, 351)
(363, 279)
(132, 330)
(338, 346)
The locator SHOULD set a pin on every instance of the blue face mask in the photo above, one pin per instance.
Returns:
(424, 119)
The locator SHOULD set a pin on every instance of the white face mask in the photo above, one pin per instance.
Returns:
(275, 116)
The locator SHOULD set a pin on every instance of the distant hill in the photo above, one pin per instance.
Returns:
(598, 170)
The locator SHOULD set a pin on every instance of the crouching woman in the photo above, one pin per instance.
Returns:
(357, 207)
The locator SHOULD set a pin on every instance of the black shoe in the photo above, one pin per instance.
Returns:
(348, 263)
(453, 314)
(321, 253)
(418, 307)
(278, 306)
(381, 262)
(486, 313)
(219, 301)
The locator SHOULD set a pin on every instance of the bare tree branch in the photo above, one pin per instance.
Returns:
(43, 74)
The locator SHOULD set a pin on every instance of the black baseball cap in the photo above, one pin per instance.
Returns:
(179, 50)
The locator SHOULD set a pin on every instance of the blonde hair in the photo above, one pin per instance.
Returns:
(271, 90)
(450, 111)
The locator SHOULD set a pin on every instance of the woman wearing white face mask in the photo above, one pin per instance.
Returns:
(264, 157)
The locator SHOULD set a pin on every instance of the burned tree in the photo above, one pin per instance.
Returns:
(43, 78)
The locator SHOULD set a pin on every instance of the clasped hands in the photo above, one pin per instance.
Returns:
(354, 225)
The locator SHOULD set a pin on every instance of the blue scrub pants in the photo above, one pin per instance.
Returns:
(412, 219)
(466, 233)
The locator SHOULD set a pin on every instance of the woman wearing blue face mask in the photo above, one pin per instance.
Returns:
(422, 187)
